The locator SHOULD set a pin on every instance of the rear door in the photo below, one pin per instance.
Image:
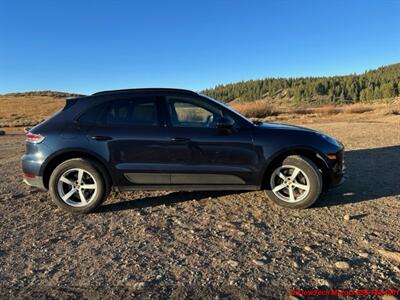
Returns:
(203, 154)
(131, 132)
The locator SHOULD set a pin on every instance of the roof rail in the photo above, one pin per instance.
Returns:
(142, 90)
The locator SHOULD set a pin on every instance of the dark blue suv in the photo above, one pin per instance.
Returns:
(152, 139)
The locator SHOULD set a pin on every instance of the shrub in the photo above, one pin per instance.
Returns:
(392, 111)
(256, 109)
(331, 110)
(358, 109)
(302, 111)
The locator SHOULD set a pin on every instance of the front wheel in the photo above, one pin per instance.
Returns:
(78, 186)
(294, 183)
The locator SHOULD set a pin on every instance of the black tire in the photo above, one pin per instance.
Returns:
(314, 180)
(94, 170)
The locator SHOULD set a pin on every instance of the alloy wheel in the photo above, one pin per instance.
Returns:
(289, 183)
(77, 187)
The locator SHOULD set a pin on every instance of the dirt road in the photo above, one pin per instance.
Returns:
(208, 244)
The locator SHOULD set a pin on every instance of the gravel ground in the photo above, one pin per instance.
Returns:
(219, 245)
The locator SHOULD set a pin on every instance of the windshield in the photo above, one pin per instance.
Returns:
(228, 108)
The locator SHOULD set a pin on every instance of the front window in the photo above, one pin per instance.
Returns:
(234, 112)
(192, 113)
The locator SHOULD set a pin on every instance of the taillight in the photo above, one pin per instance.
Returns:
(34, 138)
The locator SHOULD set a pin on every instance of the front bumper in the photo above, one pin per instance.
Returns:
(338, 172)
(337, 179)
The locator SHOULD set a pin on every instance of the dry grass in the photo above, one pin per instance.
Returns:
(27, 111)
(358, 109)
(263, 109)
(302, 111)
(392, 111)
(320, 111)
(256, 109)
(17, 111)
(330, 110)
(392, 108)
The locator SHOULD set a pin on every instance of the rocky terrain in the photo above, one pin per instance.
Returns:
(222, 245)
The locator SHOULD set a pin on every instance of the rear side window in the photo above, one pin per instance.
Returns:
(123, 112)
(137, 112)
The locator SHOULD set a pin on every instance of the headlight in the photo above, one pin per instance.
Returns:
(328, 138)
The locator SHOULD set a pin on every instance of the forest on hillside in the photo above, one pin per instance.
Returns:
(381, 83)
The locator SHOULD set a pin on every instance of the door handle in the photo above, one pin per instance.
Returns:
(101, 138)
(180, 139)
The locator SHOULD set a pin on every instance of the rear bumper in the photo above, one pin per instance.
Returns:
(31, 170)
(37, 181)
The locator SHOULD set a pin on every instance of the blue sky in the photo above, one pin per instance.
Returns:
(86, 46)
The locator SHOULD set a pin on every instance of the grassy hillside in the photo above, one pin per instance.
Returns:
(381, 83)
(21, 111)
(54, 94)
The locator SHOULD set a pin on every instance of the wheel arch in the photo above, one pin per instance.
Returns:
(59, 157)
(310, 153)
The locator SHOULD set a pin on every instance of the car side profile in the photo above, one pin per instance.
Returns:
(172, 139)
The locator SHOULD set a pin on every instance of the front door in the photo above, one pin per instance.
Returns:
(204, 154)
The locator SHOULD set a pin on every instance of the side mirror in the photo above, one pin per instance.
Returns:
(224, 122)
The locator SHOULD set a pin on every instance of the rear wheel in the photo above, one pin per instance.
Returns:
(78, 185)
(294, 183)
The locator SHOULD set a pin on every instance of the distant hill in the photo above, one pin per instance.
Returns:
(380, 83)
(54, 94)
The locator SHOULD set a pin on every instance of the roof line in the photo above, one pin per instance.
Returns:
(141, 90)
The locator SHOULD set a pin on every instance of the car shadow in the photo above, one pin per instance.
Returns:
(371, 174)
(167, 200)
